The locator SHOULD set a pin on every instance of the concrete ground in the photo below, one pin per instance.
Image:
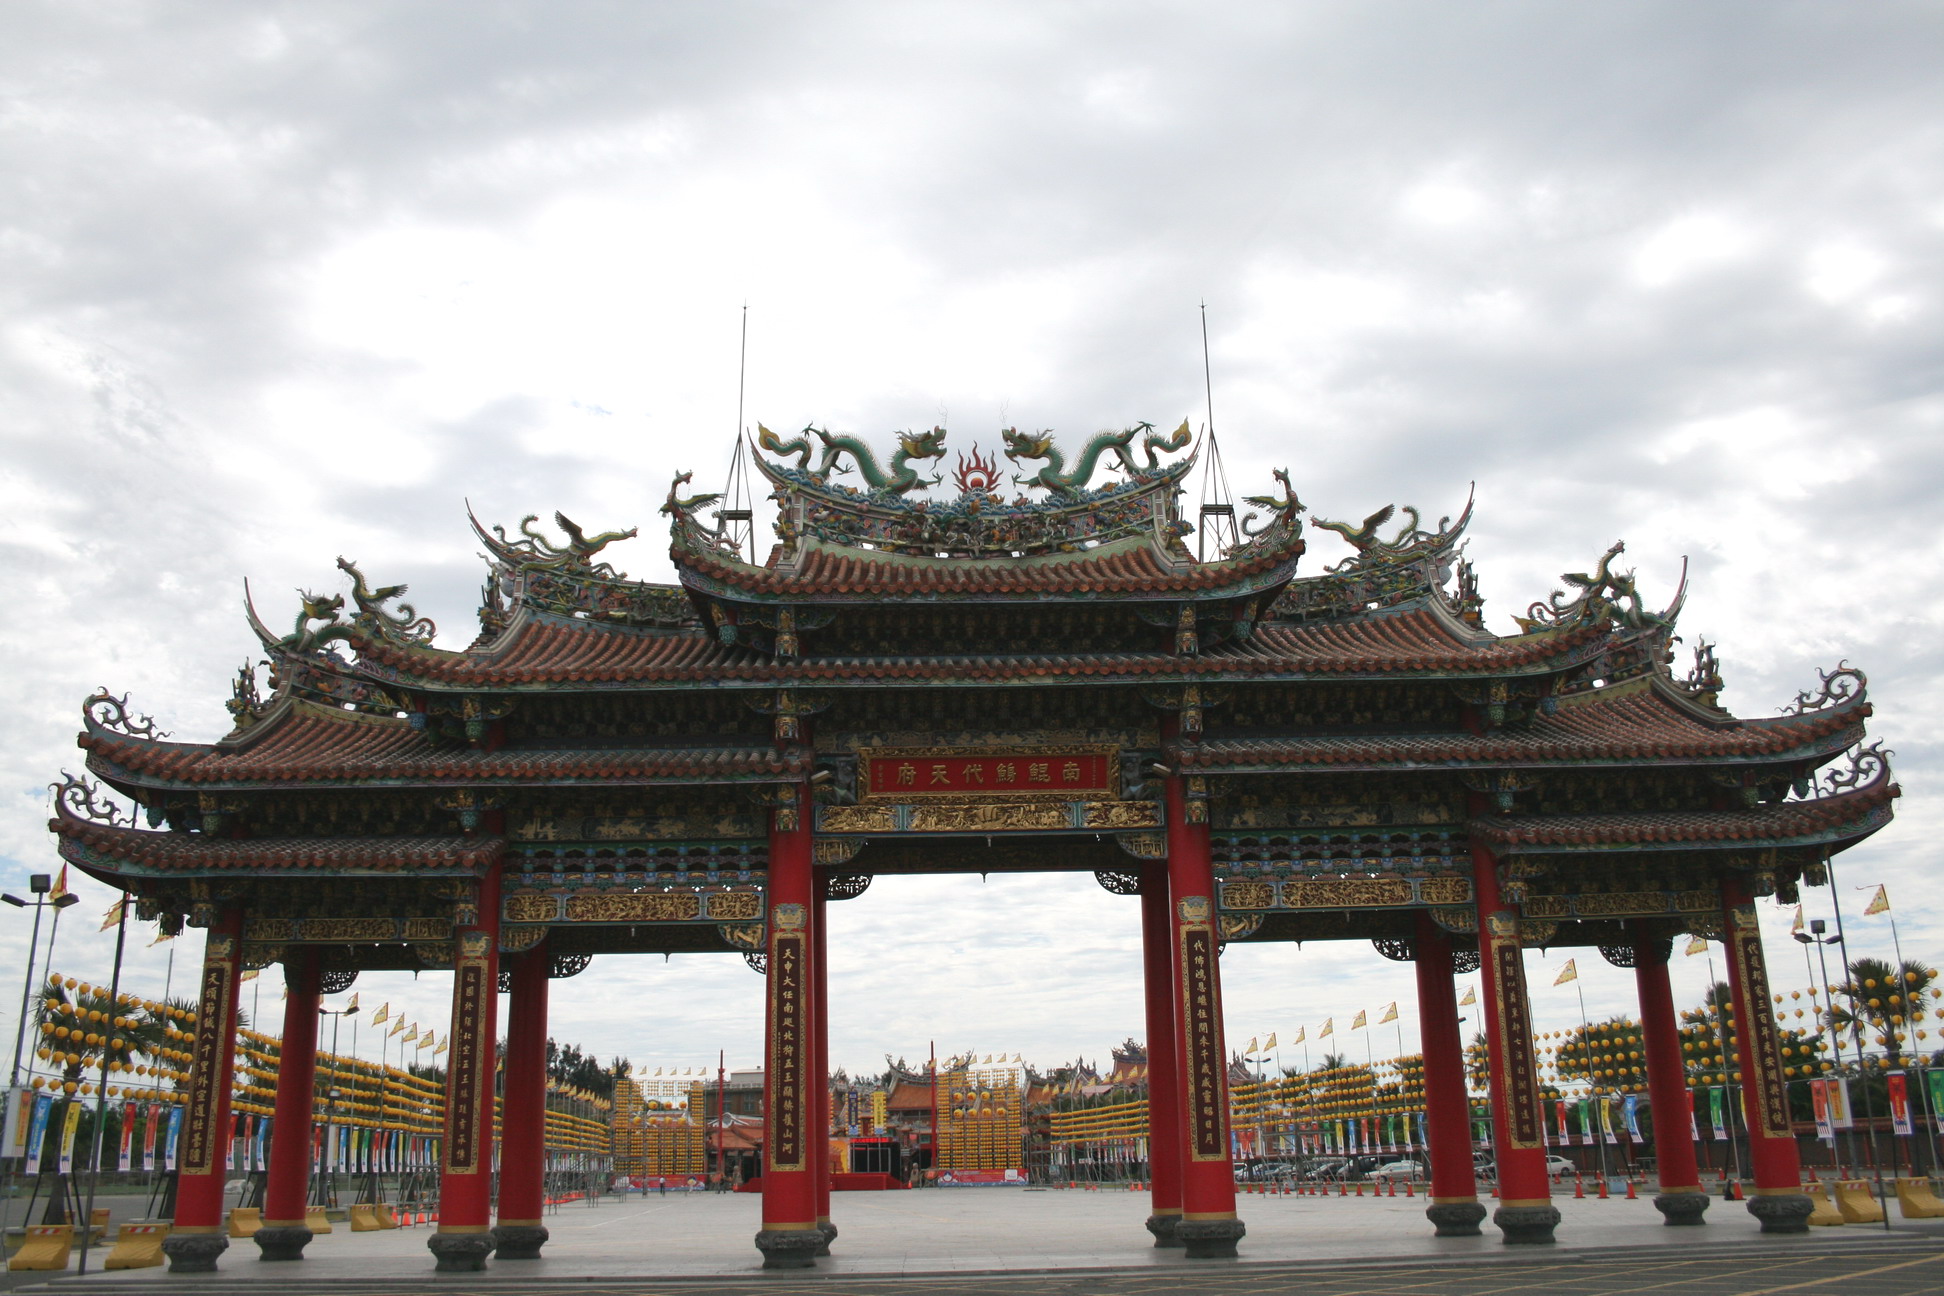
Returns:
(1011, 1231)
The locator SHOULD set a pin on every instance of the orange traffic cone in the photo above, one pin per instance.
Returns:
(1579, 1188)
(1342, 1189)
(1359, 1188)
(1409, 1189)
(1631, 1194)
(1603, 1187)
(1393, 1189)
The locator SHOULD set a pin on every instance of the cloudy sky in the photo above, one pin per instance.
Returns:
(283, 282)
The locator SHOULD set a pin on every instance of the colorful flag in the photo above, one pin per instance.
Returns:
(1253, 1046)
(1471, 996)
(1879, 903)
(1359, 1023)
(1269, 1045)
(1329, 1025)
(1390, 1013)
(1697, 945)
(60, 886)
(1567, 973)
(1300, 1035)
(1796, 926)
(442, 1045)
(428, 1038)
(383, 1014)
(114, 914)
(398, 1026)
(350, 1009)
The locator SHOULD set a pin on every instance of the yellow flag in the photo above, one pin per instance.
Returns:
(1796, 926)
(161, 936)
(1301, 1035)
(1471, 996)
(1390, 1013)
(410, 1035)
(114, 914)
(1697, 945)
(1271, 1042)
(60, 886)
(441, 1048)
(1567, 973)
(1359, 1023)
(248, 976)
(428, 1038)
(351, 1007)
(398, 1026)
(1879, 903)
(1253, 1046)
(1329, 1025)
(383, 1014)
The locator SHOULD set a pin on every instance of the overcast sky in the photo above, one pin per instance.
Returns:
(284, 282)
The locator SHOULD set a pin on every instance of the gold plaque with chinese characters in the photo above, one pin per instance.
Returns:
(1077, 773)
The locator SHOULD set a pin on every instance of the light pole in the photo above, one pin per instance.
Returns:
(39, 884)
(1816, 927)
(1814, 936)
(328, 1182)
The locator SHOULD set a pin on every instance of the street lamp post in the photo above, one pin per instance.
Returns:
(39, 884)
(1816, 937)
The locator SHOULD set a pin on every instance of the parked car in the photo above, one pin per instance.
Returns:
(1558, 1167)
(1405, 1169)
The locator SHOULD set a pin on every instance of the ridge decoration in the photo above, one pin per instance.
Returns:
(1057, 480)
(900, 480)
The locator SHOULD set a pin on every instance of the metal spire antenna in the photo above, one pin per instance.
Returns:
(735, 518)
(1216, 517)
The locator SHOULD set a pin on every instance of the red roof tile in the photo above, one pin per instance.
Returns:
(1639, 725)
(101, 845)
(312, 743)
(1779, 822)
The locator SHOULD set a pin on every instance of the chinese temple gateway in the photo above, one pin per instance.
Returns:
(925, 685)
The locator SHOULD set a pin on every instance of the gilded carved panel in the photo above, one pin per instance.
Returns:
(1248, 895)
(531, 908)
(1346, 893)
(658, 907)
(736, 906)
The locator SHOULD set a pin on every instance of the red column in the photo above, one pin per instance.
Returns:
(790, 1238)
(1779, 1201)
(1454, 1204)
(199, 1227)
(1165, 1134)
(1526, 1213)
(1209, 1227)
(284, 1234)
(1681, 1199)
(820, 1017)
(464, 1239)
(519, 1233)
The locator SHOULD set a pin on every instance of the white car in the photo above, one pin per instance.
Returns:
(1406, 1169)
(1558, 1167)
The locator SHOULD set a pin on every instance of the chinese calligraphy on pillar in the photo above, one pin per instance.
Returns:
(469, 1076)
(1758, 1032)
(202, 1136)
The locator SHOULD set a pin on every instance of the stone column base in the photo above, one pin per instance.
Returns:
(194, 1252)
(1456, 1218)
(282, 1241)
(518, 1241)
(1163, 1229)
(829, 1233)
(1526, 1225)
(460, 1252)
(1212, 1239)
(1782, 1212)
(1679, 1208)
(790, 1248)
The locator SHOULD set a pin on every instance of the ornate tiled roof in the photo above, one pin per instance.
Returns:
(539, 650)
(1133, 568)
(111, 850)
(313, 744)
(1846, 816)
(1642, 724)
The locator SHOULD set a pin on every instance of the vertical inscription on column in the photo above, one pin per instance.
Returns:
(200, 1135)
(786, 1043)
(1201, 1027)
(466, 1081)
(1519, 1068)
(1758, 1035)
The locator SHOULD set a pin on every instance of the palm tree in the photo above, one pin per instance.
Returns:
(1883, 1000)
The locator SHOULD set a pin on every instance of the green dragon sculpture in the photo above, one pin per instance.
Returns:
(1056, 478)
(404, 626)
(901, 479)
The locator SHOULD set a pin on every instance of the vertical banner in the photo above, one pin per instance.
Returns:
(125, 1154)
(1840, 1114)
(1631, 1115)
(1819, 1101)
(1560, 1110)
(151, 1122)
(69, 1124)
(37, 1132)
(1935, 1079)
(1694, 1130)
(1718, 1109)
(1900, 1102)
(20, 1115)
(173, 1138)
(1604, 1105)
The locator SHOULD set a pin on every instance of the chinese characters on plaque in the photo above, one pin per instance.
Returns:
(891, 775)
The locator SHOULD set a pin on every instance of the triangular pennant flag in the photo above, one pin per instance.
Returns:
(398, 1026)
(383, 1014)
(1271, 1043)
(441, 1048)
(1390, 1013)
(351, 1008)
(1879, 903)
(1359, 1023)
(251, 975)
(1471, 996)
(1567, 973)
(1796, 926)
(1301, 1035)
(1253, 1046)
(60, 886)
(114, 914)
(1329, 1025)
(1697, 945)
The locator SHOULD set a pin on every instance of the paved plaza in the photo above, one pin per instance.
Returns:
(1081, 1241)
